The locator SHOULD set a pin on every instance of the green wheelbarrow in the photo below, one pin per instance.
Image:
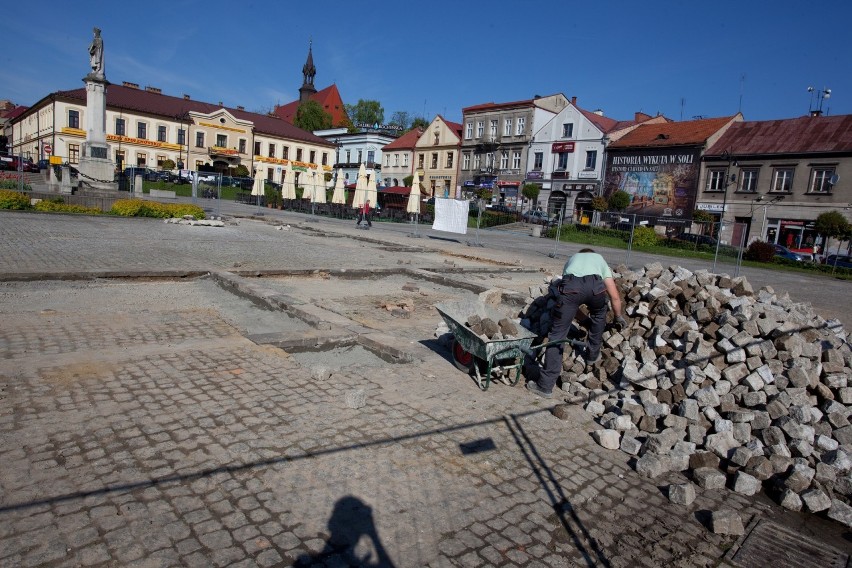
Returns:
(485, 358)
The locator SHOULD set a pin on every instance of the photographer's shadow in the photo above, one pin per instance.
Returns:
(351, 520)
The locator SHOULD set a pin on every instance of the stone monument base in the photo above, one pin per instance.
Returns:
(96, 169)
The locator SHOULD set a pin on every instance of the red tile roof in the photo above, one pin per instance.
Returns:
(494, 106)
(604, 123)
(406, 141)
(14, 112)
(328, 98)
(804, 135)
(673, 133)
(119, 96)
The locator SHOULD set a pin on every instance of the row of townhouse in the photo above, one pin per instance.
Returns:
(145, 128)
(768, 180)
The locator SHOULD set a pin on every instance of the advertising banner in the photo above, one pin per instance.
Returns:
(661, 182)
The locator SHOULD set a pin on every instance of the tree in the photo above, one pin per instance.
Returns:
(832, 224)
(365, 112)
(310, 116)
(420, 123)
(619, 200)
(531, 191)
(401, 118)
(168, 164)
(241, 171)
(407, 181)
(701, 216)
(599, 203)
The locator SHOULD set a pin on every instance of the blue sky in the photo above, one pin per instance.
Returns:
(679, 58)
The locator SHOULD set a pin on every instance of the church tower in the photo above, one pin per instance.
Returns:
(308, 72)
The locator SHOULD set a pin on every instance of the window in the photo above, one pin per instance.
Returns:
(160, 160)
(73, 153)
(73, 119)
(396, 159)
(221, 140)
(715, 180)
(820, 180)
(271, 152)
(242, 145)
(141, 159)
(504, 160)
(405, 160)
(568, 130)
(437, 139)
(562, 163)
(119, 157)
(522, 124)
(141, 130)
(257, 148)
(285, 152)
(198, 164)
(360, 155)
(434, 160)
(449, 159)
(782, 179)
(312, 156)
(476, 161)
(468, 132)
(507, 127)
(493, 130)
(325, 158)
(479, 129)
(591, 159)
(489, 160)
(298, 154)
(466, 161)
(371, 156)
(199, 140)
(181, 139)
(269, 173)
(161, 133)
(516, 160)
(420, 160)
(387, 160)
(538, 160)
(119, 126)
(348, 156)
(748, 180)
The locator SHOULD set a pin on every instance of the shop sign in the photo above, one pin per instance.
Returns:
(562, 147)
(792, 223)
(509, 183)
(587, 175)
(534, 175)
(711, 207)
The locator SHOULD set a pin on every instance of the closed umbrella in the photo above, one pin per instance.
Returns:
(257, 187)
(360, 188)
(371, 194)
(288, 186)
(319, 186)
(339, 195)
(414, 196)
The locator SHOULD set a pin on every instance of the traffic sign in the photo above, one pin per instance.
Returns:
(47, 148)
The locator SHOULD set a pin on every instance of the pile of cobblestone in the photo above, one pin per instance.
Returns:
(740, 389)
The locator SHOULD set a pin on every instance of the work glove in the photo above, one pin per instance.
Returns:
(619, 323)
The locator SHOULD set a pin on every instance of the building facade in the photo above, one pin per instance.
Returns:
(495, 144)
(355, 148)
(771, 179)
(398, 158)
(436, 155)
(146, 128)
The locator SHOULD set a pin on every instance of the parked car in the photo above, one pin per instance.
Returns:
(697, 239)
(538, 218)
(147, 173)
(43, 164)
(784, 252)
(838, 260)
(500, 208)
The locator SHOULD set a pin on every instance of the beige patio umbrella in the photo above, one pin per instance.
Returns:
(288, 186)
(258, 186)
(371, 194)
(339, 196)
(414, 196)
(360, 188)
(319, 186)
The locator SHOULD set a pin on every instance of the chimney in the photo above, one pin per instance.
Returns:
(185, 97)
(130, 85)
(598, 112)
(241, 107)
(220, 104)
(574, 101)
(153, 90)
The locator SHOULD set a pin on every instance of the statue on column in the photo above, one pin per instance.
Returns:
(96, 54)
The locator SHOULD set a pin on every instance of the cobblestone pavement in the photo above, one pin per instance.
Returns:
(141, 427)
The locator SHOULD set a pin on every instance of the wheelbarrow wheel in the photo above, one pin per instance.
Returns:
(463, 360)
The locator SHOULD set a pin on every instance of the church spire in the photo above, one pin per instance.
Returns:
(308, 72)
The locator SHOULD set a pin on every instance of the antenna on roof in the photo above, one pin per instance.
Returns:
(682, 103)
(742, 82)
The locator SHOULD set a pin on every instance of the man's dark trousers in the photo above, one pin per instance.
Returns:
(574, 291)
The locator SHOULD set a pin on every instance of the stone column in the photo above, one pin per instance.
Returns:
(96, 167)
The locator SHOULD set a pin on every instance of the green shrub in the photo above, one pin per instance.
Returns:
(140, 208)
(645, 237)
(13, 185)
(58, 206)
(13, 200)
(760, 251)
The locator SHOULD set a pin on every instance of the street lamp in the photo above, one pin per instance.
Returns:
(729, 179)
